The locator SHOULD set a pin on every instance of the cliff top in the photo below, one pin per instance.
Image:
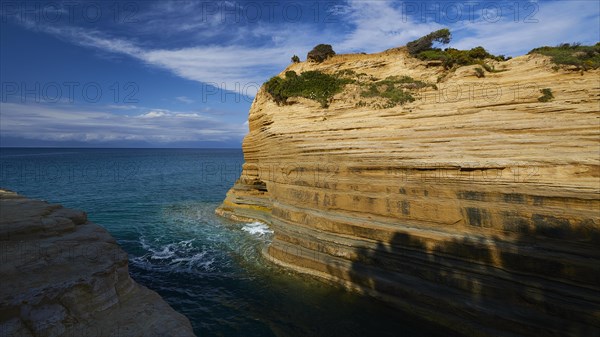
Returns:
(363, 70)
(523, 112)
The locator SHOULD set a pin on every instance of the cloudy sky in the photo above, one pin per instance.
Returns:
(183, 73)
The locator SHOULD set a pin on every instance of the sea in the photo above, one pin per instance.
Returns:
(159, 205)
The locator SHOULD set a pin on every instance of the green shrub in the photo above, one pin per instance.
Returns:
(393, 95)
(320, 53)
(451, 57)
(478, 53)
(433, 54)
(322, 87)
(581, 57)
(360, 104)
(547, 95)
(276, 87)
(295, 59)
(479, 72)
(394, 89)
(406, 82)
(426, 42)
(346, 73)
(313, 85)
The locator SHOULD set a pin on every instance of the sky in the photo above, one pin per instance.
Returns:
(184, 73)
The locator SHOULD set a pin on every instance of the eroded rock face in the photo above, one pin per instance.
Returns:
(62, 275)
(476, 206)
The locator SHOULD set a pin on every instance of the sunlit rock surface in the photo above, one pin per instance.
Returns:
(61, 275)
(476, 206)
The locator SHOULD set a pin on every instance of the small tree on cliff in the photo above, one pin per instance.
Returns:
(426, 42)
(295, 59)
(320, 53)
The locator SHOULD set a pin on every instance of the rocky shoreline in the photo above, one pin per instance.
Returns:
(62, 275)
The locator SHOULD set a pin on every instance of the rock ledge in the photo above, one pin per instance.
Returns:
(65, 276)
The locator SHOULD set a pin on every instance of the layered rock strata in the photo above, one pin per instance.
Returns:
(62, 275)
(476, 206)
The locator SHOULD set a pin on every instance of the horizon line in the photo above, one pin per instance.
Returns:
(113, 148)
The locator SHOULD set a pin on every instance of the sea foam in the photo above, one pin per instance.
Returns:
(257, 228)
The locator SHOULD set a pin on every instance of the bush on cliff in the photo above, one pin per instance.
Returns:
(451, 57)
(321, 87)
(313, 85)
(426, 42)
(547, 95)
(576, 55)
(479, 72)
(320, 53)
(295, 59)
(395, 90)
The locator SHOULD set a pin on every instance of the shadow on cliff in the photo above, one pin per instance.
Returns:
(481, 287)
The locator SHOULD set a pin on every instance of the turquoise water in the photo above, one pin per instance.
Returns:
(159, 205)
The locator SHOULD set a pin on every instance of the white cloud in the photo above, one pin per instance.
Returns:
(234, 68)
(379, 25)
(36, 121)
(123, 107)
(153, 114)
(184, 99)
(557, 22)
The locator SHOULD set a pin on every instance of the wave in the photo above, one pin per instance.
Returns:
(191, 239)
(257, 228)
(179, 257)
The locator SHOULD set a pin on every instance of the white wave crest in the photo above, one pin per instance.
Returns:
(257, 228)
(181, 256)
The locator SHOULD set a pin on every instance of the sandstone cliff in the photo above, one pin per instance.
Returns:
(476, 206)
(61, 275)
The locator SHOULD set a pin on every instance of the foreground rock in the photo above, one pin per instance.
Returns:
(62, 275)
(476, 206)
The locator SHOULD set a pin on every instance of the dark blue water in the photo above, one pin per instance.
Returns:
(159, 204)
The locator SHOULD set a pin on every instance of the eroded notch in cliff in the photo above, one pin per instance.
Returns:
(259, 185)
